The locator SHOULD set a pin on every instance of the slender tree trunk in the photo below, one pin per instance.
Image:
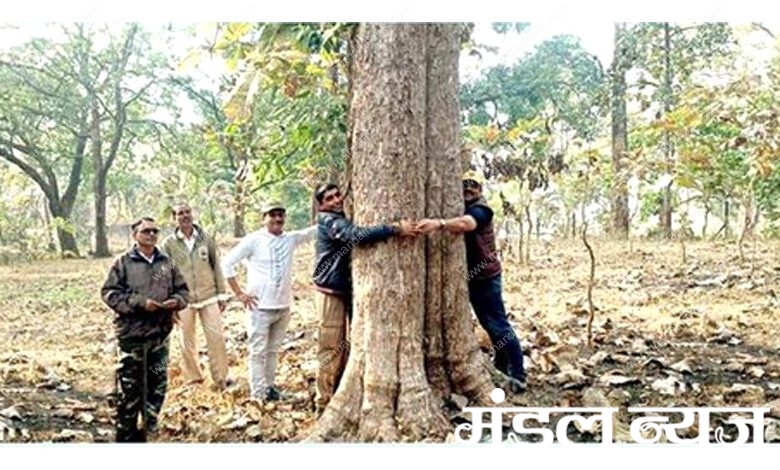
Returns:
(706, 220)
(239, 206)
(412, 342)
(750, 216)
(726, 217)
(573, 224)
(238, 222)
(538, 227)
(101, 238)
(666, 205)
(521, 238)
(619, 135)
(530, 232)
(747, 226)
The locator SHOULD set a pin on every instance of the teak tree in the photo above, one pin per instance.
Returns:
(412, 341)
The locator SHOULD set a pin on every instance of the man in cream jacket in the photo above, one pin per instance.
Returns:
(195, 253)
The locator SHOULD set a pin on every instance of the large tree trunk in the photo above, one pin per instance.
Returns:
(412, 341)
(666, 203)
(620, 219)
(51, 245)
(65, 237)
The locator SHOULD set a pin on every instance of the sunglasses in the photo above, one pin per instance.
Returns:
(150, 231)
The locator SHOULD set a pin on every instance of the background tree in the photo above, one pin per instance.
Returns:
(74, 97)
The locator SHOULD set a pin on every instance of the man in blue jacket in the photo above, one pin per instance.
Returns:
(336, 236)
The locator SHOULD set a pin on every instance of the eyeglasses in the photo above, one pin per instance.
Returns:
(184, 212)
(150, 231)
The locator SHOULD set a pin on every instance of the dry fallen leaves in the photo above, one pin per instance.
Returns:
(639, 297)
(11, 413)
(745, 394)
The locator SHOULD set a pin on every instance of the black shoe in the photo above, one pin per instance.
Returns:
(272, 394)
(152, 429)
(130, 435)
(516, 385)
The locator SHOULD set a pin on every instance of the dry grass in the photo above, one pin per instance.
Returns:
(59, 350)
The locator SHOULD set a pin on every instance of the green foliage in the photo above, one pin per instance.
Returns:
(504, 28)
(693, 47)
(558, 82)
(650, 205)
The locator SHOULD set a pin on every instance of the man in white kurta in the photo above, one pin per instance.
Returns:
(268, 295)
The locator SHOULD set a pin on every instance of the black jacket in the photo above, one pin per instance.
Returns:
(336, 236)
(130, 281)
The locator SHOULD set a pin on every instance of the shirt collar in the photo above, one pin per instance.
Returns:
(136, 254)
(180, 235)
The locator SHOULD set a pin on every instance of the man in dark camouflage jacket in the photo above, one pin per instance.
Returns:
(145, 290)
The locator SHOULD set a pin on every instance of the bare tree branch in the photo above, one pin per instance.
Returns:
(25, 167)
(763, 28)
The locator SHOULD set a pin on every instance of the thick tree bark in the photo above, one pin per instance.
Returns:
(620, 220)
(51, 246)
(66, 238)
(412, 342)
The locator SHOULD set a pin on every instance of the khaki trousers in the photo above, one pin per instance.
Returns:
(333, 350)
(211, 320)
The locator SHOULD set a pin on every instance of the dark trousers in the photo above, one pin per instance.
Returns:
(488, 305)
(142, 376)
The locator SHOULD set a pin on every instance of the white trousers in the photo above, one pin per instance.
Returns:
(266, 329)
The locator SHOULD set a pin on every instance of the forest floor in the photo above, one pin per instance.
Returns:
(666, 333)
